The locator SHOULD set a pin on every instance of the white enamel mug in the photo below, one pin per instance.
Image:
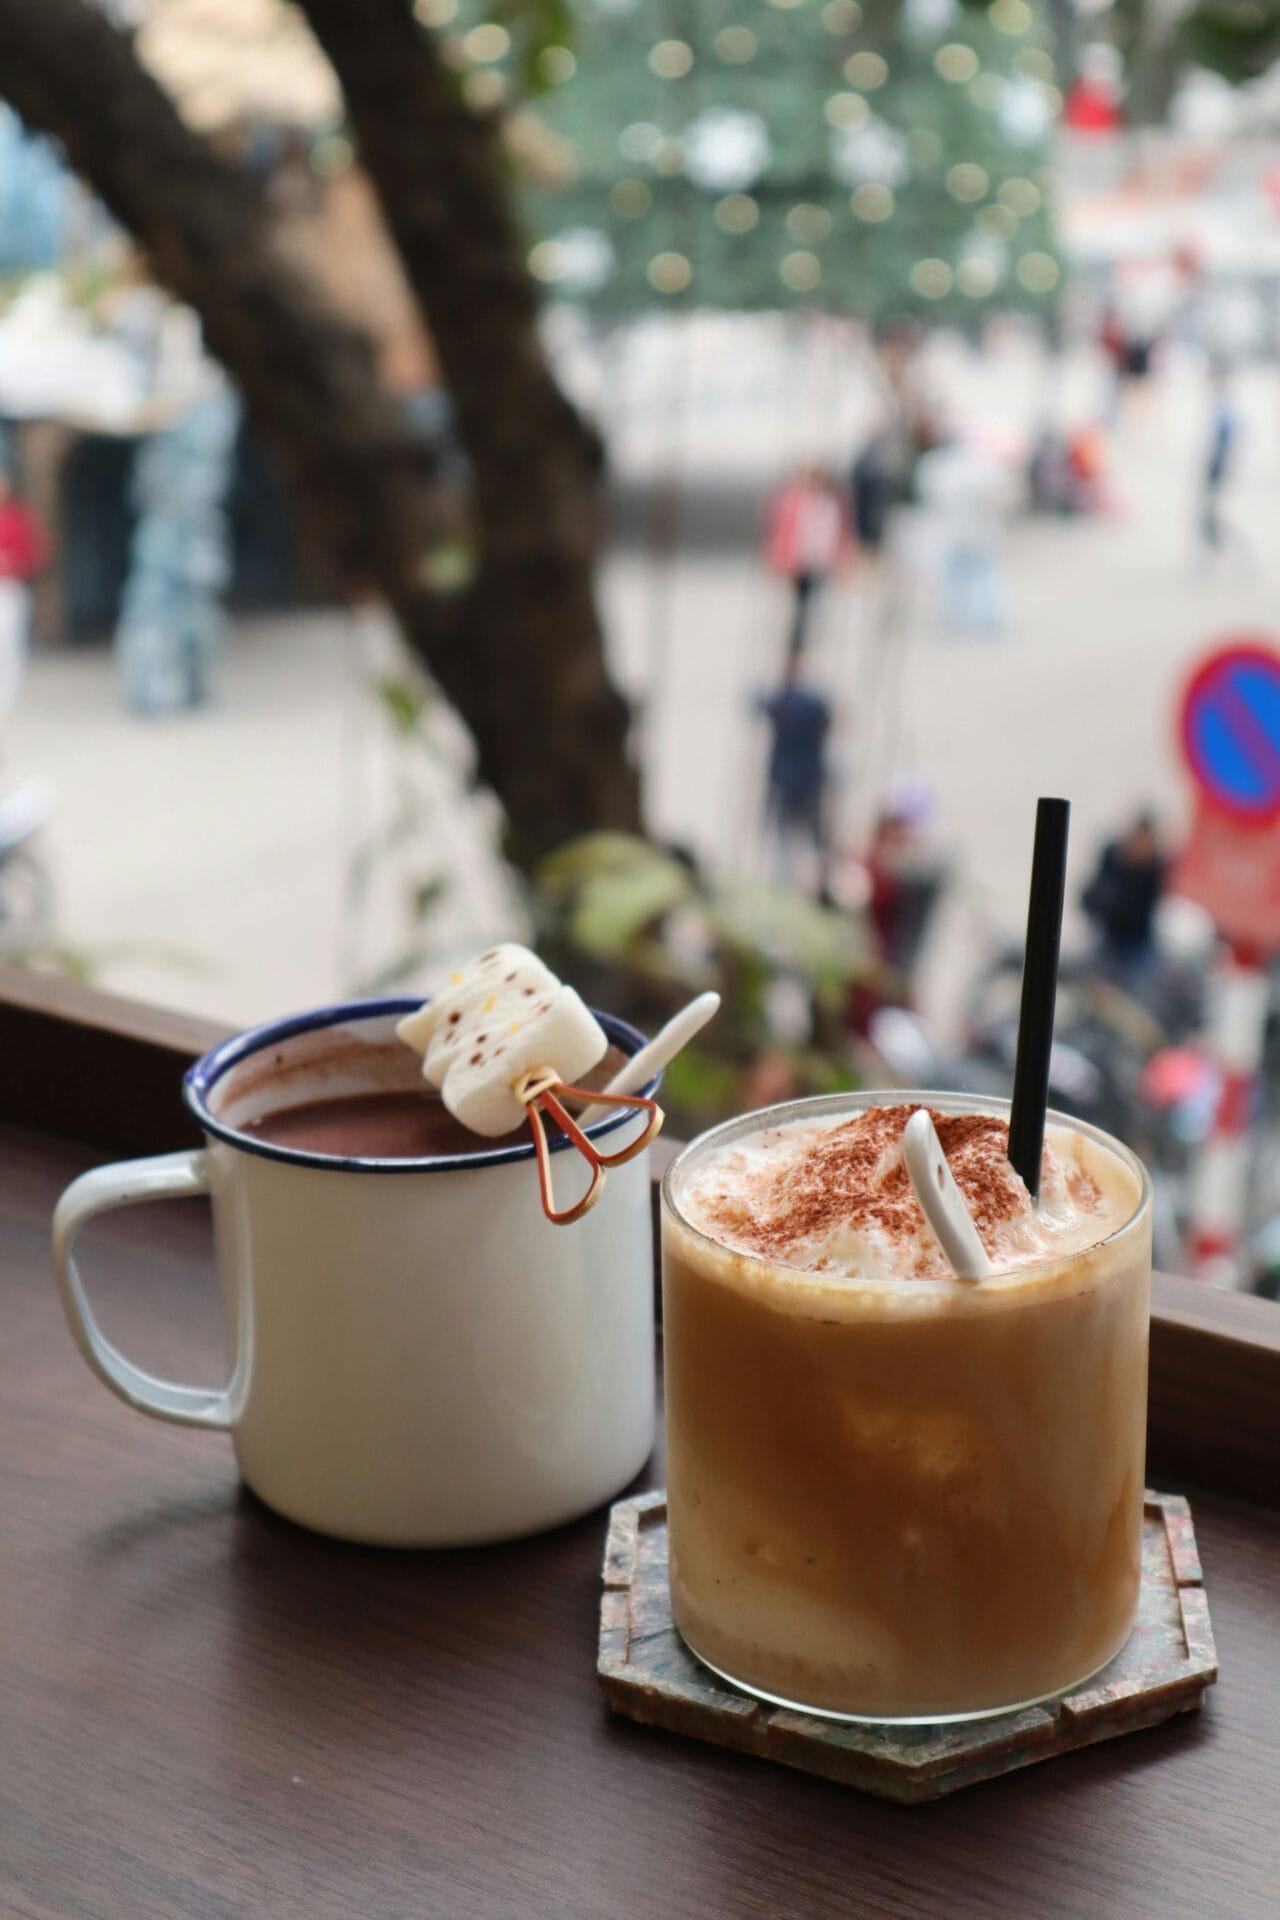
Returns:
(418, 1357)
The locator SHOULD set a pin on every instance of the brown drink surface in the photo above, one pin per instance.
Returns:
(369, 1126)
(908, 1496)
(408, 1123)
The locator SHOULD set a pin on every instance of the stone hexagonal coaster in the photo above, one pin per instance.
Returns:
(649, 1675)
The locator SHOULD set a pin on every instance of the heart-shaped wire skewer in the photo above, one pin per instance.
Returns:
(542, 1089)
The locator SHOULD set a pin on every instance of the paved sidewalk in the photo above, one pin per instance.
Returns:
(208, 860)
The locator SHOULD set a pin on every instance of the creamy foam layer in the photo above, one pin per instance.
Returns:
(833, 1196)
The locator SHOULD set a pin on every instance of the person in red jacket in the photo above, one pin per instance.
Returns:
(24, 545)
(24, 548)
(808, 535)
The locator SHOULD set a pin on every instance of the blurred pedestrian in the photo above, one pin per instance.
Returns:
(24, 549)
(1087, 489)
(1120, 900)
(902, 879)
(1128, 341)
(800, 722)
(172, 615)
(1114, 348)
(1048, 473)
(965, 494)
(876, 486)
(807, 536)
(1220, 457)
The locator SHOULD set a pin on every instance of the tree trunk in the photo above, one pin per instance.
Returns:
(519, 656)
(538, 678)
(1151, 63)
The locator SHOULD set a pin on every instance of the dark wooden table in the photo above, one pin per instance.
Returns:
(206, 1712)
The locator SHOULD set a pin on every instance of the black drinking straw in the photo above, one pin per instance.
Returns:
(1039, 987)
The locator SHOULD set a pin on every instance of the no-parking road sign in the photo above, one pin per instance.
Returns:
(1230, 726)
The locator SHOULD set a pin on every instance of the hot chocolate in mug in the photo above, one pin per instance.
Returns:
(418, 1357)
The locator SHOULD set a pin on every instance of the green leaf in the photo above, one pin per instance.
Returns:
(404, 702)
(1239, 39)
(595, 854)
(613, 910)
(702, 1084)
(449, 567)
(609, 888)
(534, 25)
(791, 931)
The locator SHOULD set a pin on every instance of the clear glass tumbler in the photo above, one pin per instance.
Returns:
(905, 1500)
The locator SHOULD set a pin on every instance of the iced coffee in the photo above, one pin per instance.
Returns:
(893, 1494)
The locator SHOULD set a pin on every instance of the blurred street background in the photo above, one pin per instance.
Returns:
(205, 863)
(925, 362)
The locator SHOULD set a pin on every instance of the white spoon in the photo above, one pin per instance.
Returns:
(941, 1200)
(664, 1046)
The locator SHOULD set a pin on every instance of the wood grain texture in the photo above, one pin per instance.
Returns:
(96, 1066)
(210, 1715)
(1215, 1388)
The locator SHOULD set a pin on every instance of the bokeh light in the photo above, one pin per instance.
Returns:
(866, 71)
(998, 222)
(631, 199)
(556, 65)
(1038, 272)
(967, 181)
(931, 279)
(669, 273)
(671, 59)
(809, 223)
(1010, 16)
(847, 110)
(487, 42)
(484, 88)
(801, 271)
(736, 45)
(872, 201)
(956, 62)
(1020, 196)
(546, 260)
(737, 213)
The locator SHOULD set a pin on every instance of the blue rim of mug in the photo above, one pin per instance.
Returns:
(199, 1081)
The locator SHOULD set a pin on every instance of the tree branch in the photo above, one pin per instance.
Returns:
(438, 173)
(438, 170)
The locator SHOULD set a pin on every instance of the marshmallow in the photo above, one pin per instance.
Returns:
(560, 1033)
(437, 1029)
(438, 1018)
(501, 1016)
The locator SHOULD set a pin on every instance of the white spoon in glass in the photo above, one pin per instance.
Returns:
(940, 1198)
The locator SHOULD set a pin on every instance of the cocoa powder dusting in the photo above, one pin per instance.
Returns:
(854, 1177)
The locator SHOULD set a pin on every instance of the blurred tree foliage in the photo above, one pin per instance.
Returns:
(860, 156)
(641, 928)
(1240, 39)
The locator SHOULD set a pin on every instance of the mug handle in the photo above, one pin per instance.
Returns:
(167, 1176)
